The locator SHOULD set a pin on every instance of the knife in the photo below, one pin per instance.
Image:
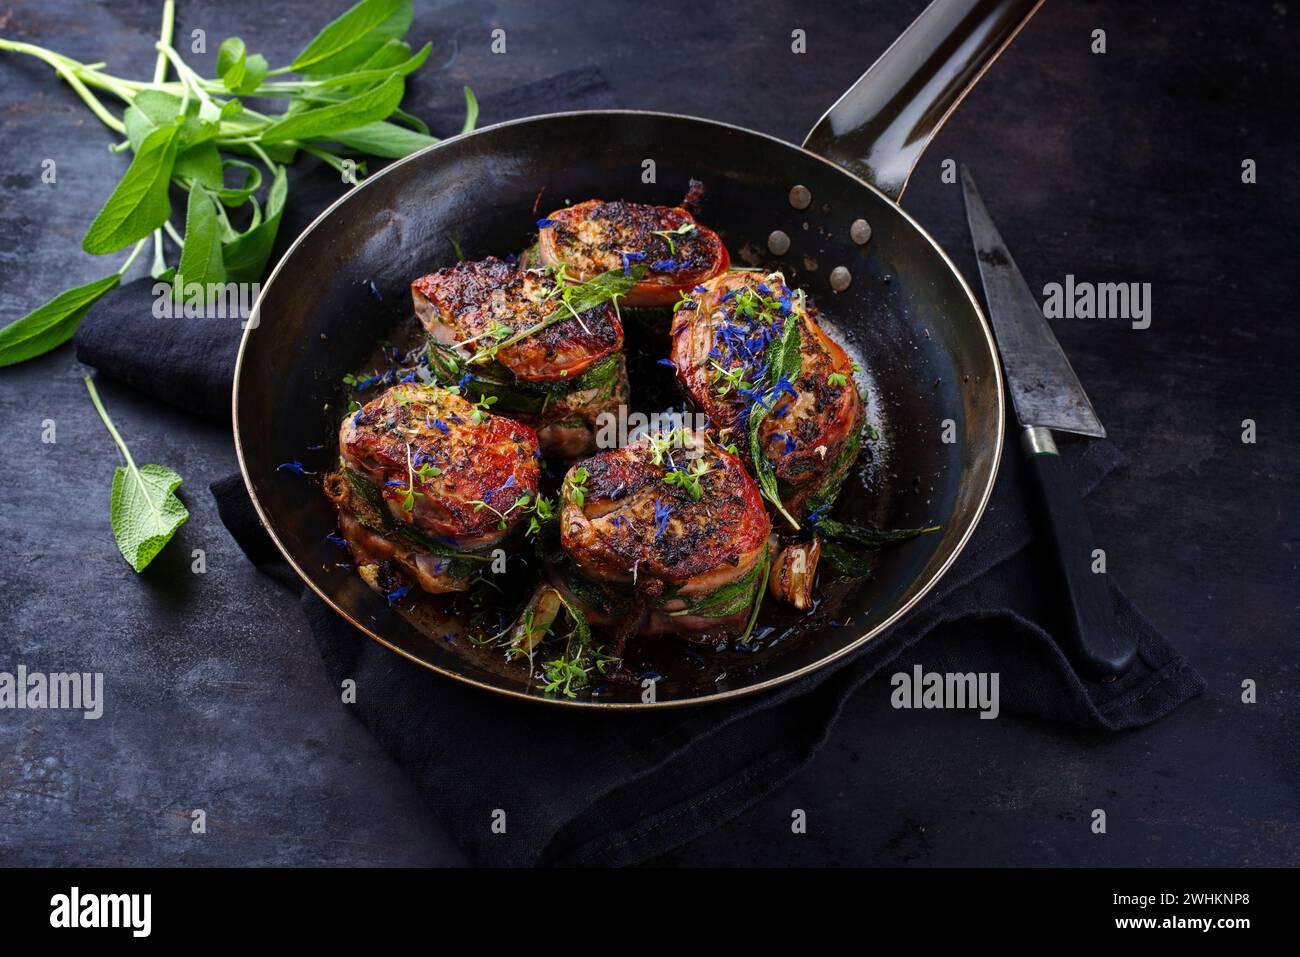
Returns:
(1048, 397)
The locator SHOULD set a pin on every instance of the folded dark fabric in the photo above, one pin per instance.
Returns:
(190, 362)
(620, 789)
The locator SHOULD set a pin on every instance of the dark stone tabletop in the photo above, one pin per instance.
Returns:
(1117, 167)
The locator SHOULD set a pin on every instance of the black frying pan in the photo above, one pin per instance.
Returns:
(907, 315)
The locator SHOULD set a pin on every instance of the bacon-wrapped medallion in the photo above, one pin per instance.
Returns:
(428, 482)
(668, 534)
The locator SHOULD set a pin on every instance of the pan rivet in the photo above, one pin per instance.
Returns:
(778, 243)
(860, 232)
(800, 198)
(840, 279)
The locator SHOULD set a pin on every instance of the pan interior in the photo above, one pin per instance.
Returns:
(933, 386)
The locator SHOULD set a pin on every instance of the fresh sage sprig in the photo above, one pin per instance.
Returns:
(199, 136)
(144, 510)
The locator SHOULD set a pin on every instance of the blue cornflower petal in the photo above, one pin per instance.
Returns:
(628, 259)
(662, 511)
(816, 514)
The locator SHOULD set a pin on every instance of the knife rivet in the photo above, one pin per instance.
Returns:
(778, 242)
(860, 232)
(840, 278)
(800, 198)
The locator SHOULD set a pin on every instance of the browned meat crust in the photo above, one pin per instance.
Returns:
(596, 236)
(435, 457)
(468, 302)
(625, 522)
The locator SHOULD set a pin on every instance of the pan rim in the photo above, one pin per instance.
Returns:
(777, 681)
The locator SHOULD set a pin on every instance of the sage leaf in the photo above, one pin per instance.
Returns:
(866, 536)
(155, 109)
(201, 260)
(323, 121)
(240, 74)
(53, 323)
(143, 508)
(390, 54)
(139, 204)
(354, 36)
(370, 77)
(848, 562)
(785, 359)
(201, 164)
(385, 139)
(151, 110)
(238, 195)
(230, 56)
(471, 111)
(411, 120)
(246, 257)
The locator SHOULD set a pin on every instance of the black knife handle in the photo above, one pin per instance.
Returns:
(1098, 645)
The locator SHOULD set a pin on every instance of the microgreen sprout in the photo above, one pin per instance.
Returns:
(668, 235)
(688, 478)
(482, 408)
(577, 486)
(408, 499)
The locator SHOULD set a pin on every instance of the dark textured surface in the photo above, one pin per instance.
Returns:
(1120, 167)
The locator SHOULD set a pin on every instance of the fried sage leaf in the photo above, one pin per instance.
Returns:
(784, 362)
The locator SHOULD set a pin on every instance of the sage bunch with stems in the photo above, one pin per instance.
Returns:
(200, 136)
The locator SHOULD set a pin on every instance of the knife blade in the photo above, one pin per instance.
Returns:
(1044, 389)
(1047, 395)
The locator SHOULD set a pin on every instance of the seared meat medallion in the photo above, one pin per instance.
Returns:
(475, 303)
(430, 481)
(499, 329)
(727, 344)
(668, 534)
(597, 236)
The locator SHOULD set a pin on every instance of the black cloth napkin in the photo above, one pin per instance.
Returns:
(623, 788)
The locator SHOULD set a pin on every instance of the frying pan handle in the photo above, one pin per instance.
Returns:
(880, 127)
